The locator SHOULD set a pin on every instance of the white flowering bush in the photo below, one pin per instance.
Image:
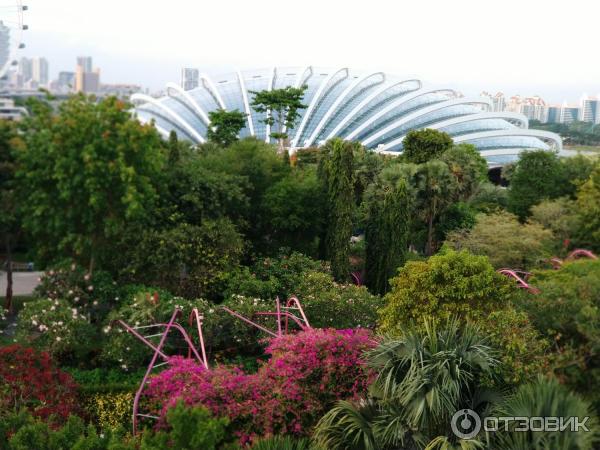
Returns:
(57, 327)
(224, 335)
(94, 295)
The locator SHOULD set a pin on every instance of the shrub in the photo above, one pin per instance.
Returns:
(109, 410)
(270, 277)
(92, 294)
(57, 327)
(33, 434)
(567, 313)
(190, 429)
(305, 374)
(29, 379)
(282, 443)
(546, 398)
(448, 284)
(505, 241)
(330, 304)
(522, 351)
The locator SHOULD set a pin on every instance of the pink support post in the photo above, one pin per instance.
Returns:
(278, 304)
(195, 314)
(138, 394)
(293, 300)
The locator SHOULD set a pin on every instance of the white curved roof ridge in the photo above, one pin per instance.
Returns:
(370, 106)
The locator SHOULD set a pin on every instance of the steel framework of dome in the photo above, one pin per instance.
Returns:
(375, 108)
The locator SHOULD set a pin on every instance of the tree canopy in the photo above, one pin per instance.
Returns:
(281, 107)
(420, 146)
(225, 126)
(103, 166)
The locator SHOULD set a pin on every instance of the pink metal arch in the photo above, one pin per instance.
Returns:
(281, 312)
(520, 276)
(158, 351)
(573, 255)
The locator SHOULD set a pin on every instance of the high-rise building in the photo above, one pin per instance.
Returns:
(568, 113)
(39, 71)
(25, 70)
(86, 79)
(85, 62)
(498, 100)
(554, 114)
(4, 45)
(66, 81)
(189, 78)
(590, 110)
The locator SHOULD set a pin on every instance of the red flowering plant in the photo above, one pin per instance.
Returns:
(29, 380)
(306, 374)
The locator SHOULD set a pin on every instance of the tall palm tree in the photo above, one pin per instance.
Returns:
(423, 378)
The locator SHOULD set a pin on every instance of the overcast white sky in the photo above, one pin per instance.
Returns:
(544, 47)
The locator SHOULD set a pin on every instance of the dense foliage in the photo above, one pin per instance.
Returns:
(505, 241)
(159, 227)
(30, 380)
(305, 374)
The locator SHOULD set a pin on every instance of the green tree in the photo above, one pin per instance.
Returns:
(435, 189)
(567, 313)
(296, 207)
(10, 224)
(575, 171)
(560, 217)
(389, 209)
(281, 107)
(189, 260)
(173, 148)
(468, 168)
(337, 169)
(258, 167)
(85, 173)
(445, 285)
(225, 126)
(505, 241)
(420, 146)
(414, 395)
(537, 176)
(588, 207)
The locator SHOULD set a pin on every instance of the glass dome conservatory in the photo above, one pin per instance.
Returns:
(375, 108)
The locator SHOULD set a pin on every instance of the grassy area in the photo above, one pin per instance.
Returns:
(583, 148)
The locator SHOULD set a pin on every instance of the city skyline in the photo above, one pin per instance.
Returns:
(64, 30)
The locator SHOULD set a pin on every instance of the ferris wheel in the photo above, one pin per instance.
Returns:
(11, 34)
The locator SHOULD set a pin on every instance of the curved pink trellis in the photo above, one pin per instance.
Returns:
(162, 330)
(357, 278)
(282, 314)
(573, 255)
(521, 277)
(291, 311)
